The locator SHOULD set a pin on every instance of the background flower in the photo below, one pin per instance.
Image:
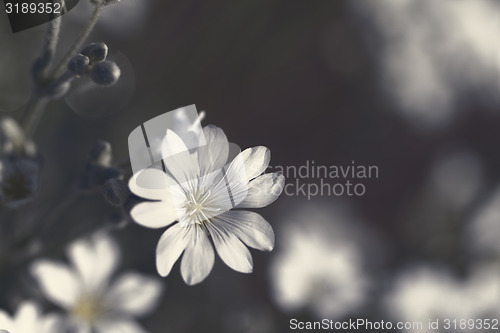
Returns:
(86, 292)
(423, 293)
(318, 268)
(28, 319)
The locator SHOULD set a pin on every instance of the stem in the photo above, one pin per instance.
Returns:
(32, 115)
(50, 44)
(36, 105)
(79, 42)
(54, 215)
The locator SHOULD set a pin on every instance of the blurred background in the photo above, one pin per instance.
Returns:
(410, 86)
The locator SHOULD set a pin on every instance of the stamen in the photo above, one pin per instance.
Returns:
(205, 197)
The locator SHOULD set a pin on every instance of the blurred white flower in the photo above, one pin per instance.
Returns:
(28, 319)
(85, 292)
(319, 266)
(424, 293)
(428, 63)
(199, 190)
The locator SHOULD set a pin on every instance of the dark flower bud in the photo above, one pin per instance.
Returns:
(19, 180)
(115, 191)
(79, 64)
(105, 73)
(96, 52)
(101, 153)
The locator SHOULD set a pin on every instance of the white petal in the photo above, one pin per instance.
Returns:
(256, 160)
(58, 283)
(171, 245)
(214, 155)
(263, 190)
(233, 190)
(231, 249)
(198, 259)
(150, 184)
(134, 294)
(245, 166)
(251, 228)
(95, 259)
(172, 144)
(27, 316)
(154, 214)
(119, 325)
(6, 321)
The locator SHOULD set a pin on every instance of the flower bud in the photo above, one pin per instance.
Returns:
(13, 141)
(105, 73)
(101, 153)
(96, 52)
(79, 64)
(115, 191)
(19, 180)
(11, 136)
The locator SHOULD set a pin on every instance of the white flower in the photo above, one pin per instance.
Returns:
(320, 264)
(424, 293)
(430, 66)
(28, 320)
(199, 190)
(85, 292)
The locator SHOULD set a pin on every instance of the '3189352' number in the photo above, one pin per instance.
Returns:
(32, 8)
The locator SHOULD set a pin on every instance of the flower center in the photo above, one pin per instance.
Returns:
(88, 308)
(197, 208)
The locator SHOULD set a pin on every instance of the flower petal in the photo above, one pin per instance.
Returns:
(95, 259)
(231, 249)
(171, 245)
(134, 294)
(150, 184)
(198, 259)
(6, 321)
(27, 317)
(256, 160)
(172, 144)
(233, 190)
(59, 284)
(245, 166)
(154, 214)
(119, 325)
(251, 228)
(263, 190)
(214, 155)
